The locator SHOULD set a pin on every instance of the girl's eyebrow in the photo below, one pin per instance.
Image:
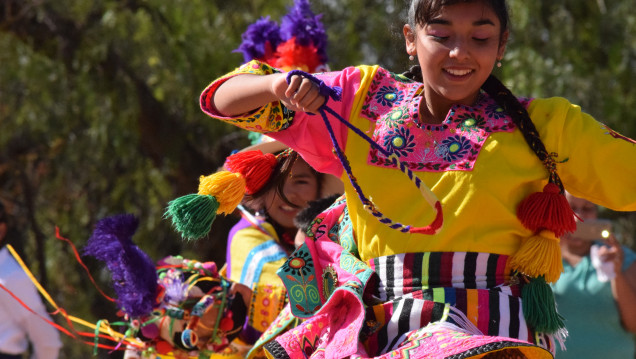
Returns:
(446, 22)
(300, 175)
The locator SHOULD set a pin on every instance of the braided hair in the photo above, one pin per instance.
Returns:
(422, 11)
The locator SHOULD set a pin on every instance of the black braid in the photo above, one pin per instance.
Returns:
(502, 95)
(414, 73)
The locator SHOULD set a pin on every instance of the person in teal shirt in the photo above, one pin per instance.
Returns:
(597, 300)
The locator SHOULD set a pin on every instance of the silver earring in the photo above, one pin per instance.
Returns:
(411, 57)
(499, 64)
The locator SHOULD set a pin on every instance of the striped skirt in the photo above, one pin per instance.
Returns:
(419, 305)
(469, 290)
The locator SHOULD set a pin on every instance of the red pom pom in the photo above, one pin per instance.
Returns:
(290, 56)
(547, 210)
(254, 166)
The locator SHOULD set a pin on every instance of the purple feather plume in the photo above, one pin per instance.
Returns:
(133, 272)
(301, 22)
(256, 36)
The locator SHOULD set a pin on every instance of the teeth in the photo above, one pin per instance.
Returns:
(458, 72)
(287, 208)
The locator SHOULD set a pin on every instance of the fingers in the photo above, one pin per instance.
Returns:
(303, 94)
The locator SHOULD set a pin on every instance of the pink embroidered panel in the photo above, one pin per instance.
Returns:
(454, 144)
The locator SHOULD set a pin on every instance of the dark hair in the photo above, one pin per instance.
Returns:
(280, 175)
(304, 218)
(422, 11)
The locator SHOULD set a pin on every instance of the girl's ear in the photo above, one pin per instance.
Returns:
(502, 45)
(409, 38)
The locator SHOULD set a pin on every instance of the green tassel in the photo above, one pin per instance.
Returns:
(192, 215)
(539, 306)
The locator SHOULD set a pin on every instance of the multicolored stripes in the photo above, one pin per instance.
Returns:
(269, 251)
(404, 273)
(419, 288)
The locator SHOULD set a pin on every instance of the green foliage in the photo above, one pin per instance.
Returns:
(99, 112)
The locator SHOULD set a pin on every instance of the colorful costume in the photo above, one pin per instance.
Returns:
(579, 290)
(254, 255)
(479, 166)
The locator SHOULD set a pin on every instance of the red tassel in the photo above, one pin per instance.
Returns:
(547, 210)
(254, 166)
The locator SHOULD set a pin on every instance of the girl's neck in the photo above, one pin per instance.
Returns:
(433, 109)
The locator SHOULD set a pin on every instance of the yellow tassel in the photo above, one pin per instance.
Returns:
(539, 255)
(228, 188)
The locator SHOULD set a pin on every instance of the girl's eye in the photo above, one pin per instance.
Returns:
(439, 38)
(481, 39)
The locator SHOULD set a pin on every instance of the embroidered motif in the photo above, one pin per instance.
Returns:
(269, 118)
(329, 280)
(453, 145)
(389, 90)
(302, 285)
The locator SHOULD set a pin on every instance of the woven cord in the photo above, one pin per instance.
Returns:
(336, 94)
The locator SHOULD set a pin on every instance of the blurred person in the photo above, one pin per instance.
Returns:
(596, 293)
(20, 328)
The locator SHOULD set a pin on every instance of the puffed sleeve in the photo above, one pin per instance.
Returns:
(304, 132)
(595, 162)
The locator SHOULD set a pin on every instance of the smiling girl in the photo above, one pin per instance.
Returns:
(469, 277)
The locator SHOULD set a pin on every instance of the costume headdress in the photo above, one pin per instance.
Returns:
(298, 43)
(247, 173)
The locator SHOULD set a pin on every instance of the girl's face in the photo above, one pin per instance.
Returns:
(457, 50)
(300, 187)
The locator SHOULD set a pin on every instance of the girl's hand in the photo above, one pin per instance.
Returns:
(300, 94)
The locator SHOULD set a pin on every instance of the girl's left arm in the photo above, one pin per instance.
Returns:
(594, 161)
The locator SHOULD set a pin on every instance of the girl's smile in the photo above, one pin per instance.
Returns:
(457, 50)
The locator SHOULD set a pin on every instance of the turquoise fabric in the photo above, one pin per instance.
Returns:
(592, 317)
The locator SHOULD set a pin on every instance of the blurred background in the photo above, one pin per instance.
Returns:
(99, 108)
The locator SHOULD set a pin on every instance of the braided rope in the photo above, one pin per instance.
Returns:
(336, 94)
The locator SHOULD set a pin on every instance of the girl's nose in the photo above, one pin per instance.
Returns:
(459, 50)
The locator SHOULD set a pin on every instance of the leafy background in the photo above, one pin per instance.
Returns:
(99, 107)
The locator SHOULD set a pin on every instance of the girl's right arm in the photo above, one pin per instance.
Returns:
(246, 92)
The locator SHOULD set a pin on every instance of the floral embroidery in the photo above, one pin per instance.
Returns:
(300, 264)
(471, 122)
(389, 90)
(453, 148)
(301, 283)
(389, 95)
(400, 141)
(452, 145)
